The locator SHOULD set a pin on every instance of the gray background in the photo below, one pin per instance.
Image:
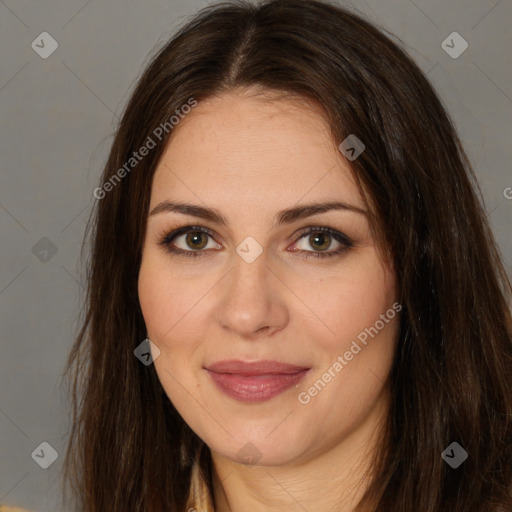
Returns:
(59, 115)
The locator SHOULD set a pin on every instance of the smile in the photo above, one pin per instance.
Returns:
(256, 381)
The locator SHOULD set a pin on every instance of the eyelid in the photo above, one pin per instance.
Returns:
(167, 238)
(344, 242)
(337, 235)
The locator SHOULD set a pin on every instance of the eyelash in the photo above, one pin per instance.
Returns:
(168, 238)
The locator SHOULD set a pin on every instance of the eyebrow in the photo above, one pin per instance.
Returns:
(286, 216)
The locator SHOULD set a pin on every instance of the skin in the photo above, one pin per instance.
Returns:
(249, 157)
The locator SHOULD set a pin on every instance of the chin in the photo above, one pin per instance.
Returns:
(255, 444)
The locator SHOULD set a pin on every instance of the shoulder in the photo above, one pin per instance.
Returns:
(5, 508)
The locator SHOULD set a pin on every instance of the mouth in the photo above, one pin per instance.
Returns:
(256, 381)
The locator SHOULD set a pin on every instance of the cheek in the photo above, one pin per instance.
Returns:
(174, 311)
(352, 302)
(164, 299)
(358, 354)
(167, 306)
(153, 301)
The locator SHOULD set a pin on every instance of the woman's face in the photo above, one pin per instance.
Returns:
(314, 310)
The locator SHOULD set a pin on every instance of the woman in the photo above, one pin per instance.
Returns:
(295, 301)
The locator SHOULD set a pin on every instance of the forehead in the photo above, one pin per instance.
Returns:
(256, 150)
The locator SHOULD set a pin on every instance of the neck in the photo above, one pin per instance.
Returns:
(335, 479)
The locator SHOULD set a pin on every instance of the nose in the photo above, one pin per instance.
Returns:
(252, 302)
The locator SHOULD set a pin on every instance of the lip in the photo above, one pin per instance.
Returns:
(256, 381)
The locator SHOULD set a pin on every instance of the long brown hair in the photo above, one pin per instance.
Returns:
(451, 380)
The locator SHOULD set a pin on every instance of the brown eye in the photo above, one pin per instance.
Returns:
(189, 241)
(317, 242)
(320, 241)
(196, 240)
